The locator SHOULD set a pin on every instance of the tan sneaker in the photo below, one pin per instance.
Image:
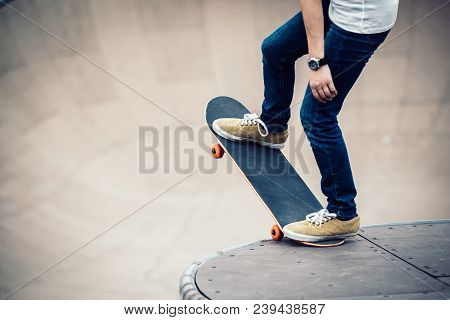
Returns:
(321, 225)
(250, 128)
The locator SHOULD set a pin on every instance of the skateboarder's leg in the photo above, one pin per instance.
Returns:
(280, 51)
(347, 55)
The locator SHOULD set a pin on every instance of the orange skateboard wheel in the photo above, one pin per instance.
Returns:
(276, 233)
(217, 151)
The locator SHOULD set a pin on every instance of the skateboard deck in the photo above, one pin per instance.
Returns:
(268, 171)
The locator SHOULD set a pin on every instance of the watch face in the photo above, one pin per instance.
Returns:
(313, 64)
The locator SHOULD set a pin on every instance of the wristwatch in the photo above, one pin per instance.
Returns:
(315, 63)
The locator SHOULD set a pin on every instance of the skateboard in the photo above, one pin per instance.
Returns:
(268, 172)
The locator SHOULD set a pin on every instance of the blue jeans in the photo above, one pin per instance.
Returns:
(347, 54)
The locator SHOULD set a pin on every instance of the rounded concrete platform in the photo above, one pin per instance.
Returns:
(397, 261)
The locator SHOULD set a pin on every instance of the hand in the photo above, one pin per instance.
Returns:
(322, 85)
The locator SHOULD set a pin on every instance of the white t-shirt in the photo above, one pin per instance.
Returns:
(364, 16)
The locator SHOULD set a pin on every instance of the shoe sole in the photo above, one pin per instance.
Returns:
(231, 137)
(301, 237)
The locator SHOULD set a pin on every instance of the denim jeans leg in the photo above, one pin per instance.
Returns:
(280, 51)
(347, 55)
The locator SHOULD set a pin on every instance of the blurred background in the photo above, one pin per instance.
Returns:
(79, 217)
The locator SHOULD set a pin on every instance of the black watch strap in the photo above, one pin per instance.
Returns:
(323, 61)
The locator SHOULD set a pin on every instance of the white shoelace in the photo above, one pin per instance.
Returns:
(320, 217)
(253, 119)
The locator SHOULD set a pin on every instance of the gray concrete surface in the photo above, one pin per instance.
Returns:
(366, 267)
(77, 80)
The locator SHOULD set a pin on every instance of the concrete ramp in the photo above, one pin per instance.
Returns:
(397, 261)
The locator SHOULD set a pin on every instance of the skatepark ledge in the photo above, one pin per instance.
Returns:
(409, 260)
